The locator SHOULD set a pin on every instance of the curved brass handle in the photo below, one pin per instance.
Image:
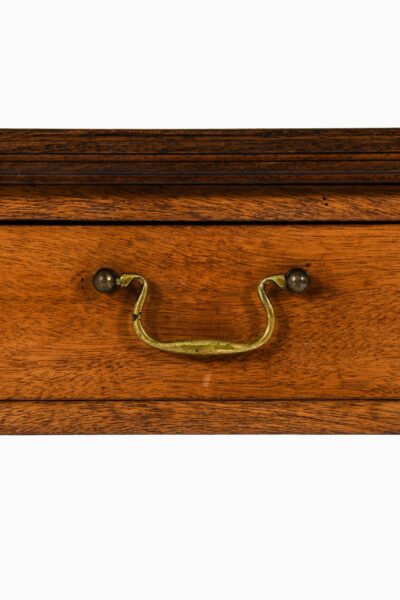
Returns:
(106, 280)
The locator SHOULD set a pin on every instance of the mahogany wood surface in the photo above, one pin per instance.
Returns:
(200, 156)
(61, 339)
(198, 141)
(201, 417)
(200, 203)
(335, 353)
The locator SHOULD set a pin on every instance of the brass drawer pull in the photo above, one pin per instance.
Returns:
(106, 281)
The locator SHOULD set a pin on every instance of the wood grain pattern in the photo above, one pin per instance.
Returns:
(198, 141)
(200, 203)
(202, 157)
(60, 337)
(63, 340)
(201, 417)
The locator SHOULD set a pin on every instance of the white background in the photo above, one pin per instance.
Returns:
(199, 517)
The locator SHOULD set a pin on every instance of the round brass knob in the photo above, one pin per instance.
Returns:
(297, 280)
(105, 280)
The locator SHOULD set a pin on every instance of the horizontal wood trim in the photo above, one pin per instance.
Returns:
(201, 417)
(200, 203)
(226, 157)
(191, 172)
(199, 141)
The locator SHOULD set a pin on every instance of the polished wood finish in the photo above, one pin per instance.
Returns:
(63, 340)
(200, 157)
(338, 346)
(200, 203)
(111, 142)
(201, 417)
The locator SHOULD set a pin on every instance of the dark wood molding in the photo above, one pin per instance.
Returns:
(229, 157)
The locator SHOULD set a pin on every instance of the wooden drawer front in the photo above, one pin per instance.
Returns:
(61, 339)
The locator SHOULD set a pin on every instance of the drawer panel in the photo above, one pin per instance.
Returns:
(61, 339)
